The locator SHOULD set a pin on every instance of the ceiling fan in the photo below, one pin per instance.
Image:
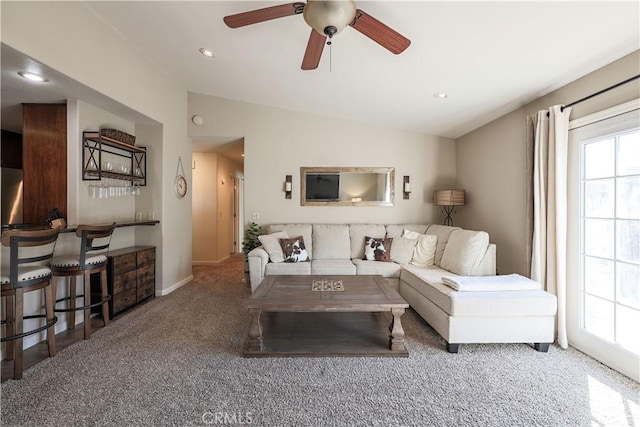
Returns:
(326, 18)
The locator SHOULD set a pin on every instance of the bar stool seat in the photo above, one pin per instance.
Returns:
(70, 261)
(27, 275)
(92, 238)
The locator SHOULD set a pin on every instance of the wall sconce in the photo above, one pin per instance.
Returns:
(287, 186)
(406, 187)
(448, 199)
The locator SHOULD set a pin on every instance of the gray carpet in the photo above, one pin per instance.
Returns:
(177, 361)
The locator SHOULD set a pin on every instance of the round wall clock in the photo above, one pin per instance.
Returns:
(181, 186)
(180, 183)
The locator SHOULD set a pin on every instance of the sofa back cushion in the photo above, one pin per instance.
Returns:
(331, 241)
(442, 232)
(464, 252)
(294, 230)
(357, 233)
(397, 230)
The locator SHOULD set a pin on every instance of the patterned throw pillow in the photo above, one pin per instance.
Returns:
(377, 249)
(294, 250)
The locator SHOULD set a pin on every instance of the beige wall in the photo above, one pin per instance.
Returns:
(491, 160)
(278, 142)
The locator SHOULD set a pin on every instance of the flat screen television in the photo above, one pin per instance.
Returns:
(323, 187)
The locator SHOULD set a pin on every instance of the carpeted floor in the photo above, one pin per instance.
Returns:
(177, 361)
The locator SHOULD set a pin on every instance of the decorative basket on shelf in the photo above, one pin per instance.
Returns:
(118, 135)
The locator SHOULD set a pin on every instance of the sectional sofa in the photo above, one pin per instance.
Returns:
(417, 259)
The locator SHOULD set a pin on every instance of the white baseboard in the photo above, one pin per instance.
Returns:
(163, 292)
(210, 262)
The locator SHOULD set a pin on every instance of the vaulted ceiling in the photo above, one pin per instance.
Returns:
(488, 57)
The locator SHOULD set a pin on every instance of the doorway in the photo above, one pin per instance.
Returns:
(604, 239)
(217, 178)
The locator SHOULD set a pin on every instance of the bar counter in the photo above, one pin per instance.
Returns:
(72, 228)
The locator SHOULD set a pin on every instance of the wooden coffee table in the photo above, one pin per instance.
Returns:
(325, 316)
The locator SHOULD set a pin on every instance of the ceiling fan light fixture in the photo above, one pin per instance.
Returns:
(329, 17)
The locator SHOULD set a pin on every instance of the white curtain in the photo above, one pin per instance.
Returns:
(549, 151)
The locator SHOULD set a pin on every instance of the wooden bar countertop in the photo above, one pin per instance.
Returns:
(72, 228)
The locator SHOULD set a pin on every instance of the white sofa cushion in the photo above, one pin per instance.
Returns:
(442, 232)
(397, 230)
(464, 251)
(425, 250)
(333, 267)
(402, 249)
(331, 241)
(385, 269)
(293, 230)
(357, 234)
(426, 281)
(287, 268)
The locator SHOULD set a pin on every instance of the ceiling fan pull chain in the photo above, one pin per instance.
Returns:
(330, 55)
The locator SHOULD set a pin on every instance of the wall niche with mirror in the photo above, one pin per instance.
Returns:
(347, 186)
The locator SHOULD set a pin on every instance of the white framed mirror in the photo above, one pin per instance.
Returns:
(347, 186)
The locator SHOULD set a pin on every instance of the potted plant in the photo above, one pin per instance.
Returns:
(250, 242)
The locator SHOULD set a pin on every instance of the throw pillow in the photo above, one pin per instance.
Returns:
(425, 249)
(271, 244)
(464, 251)
(377, 249)
(294, 250)
(402, 250)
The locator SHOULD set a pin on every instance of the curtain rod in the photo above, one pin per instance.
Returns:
(599, 92)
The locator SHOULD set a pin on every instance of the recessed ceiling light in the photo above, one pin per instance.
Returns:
(206, 52)
(440, 95)
(32, 76)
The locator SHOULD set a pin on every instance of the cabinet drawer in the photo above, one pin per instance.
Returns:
(146, 275)
(124, 300)
(145, 290)
(147, 256)
(125, 282)
(124, 263)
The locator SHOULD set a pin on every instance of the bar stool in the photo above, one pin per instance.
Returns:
(92, 238)
(27, 274)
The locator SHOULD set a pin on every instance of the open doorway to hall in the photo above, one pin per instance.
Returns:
(217, 198)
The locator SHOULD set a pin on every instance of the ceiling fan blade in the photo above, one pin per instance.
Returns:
(380, 33)
(314, 51)
(261, 15)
